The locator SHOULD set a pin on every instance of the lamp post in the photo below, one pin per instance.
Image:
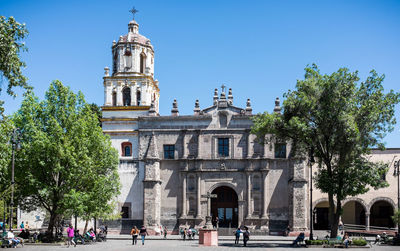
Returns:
(311, 161)
(397, 173)
(13, 145)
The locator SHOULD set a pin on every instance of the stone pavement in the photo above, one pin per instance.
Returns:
(178, 245)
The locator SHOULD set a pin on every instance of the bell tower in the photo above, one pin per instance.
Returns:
(130, 92)
(131, 84)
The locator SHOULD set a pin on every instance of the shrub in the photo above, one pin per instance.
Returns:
(359, 242)
(316, 242)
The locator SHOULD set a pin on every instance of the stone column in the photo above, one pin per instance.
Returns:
(249, 152)
(133, 94)
(298, 196)
(184, 151)
(183, 195)
(248, 195)
(198, 215)
(265, 195)
(367, 221)
(119, 94)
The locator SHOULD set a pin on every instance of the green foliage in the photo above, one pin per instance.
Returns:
(66, 164)
(6, 128)
(316, 242)
(339, 120)
(359, 242)
(11, 32)
(396, 217)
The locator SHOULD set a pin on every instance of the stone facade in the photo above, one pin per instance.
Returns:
(173, 160)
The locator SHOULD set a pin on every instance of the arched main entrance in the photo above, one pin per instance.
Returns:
(225, 207)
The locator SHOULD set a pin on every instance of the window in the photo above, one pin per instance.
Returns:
(126, 149)
(126, 93)
(125, 212)
(114, 99)
(142, 62)
(280, 150)
(223, 147)
(128, 58)
(169, 151)
(138, 98)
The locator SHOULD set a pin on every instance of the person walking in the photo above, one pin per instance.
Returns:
(237, 235)
(71, 234)
(134, 233)
(246, 236)
(165, 232)
(143, 233)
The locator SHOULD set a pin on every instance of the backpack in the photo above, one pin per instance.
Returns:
(246, 234)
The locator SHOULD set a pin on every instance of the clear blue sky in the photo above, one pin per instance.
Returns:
(259, 48)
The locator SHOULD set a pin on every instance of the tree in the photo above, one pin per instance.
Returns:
(63, 153)
(11, 32)
(339, 120)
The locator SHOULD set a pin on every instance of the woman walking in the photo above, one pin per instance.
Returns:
(134, 233)
(71, 234)
(143, 233)
(246, 236)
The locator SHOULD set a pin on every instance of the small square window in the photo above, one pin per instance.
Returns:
(223, 147)
(280, 150)
(169, 151)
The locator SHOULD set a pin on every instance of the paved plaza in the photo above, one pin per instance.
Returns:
(176, 245)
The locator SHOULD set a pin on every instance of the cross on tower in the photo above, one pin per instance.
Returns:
(133, 11)
(223, 87)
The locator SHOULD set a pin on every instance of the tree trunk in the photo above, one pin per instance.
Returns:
(52, 222)
(85, 229)
(334, 216)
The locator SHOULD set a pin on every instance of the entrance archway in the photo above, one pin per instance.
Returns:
(321, 215)
(225, 207)
(381, 214)
(353, 213)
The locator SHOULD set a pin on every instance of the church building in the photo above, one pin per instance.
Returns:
(170, 163)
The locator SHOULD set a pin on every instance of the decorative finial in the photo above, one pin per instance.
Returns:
(175, 111)
(196, 107)
(223, 91)
(249, 110)
(230, 97)
(106, 71)
(215, 99)
(277, 108)
(133, 11)
(152, 110)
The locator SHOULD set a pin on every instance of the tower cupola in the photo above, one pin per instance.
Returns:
(131, 81)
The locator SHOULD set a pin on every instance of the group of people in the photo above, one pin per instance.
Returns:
(90, 235)
(188, 233)
(160, 230)
(246, 235)
(12, 239)
(135, 232)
